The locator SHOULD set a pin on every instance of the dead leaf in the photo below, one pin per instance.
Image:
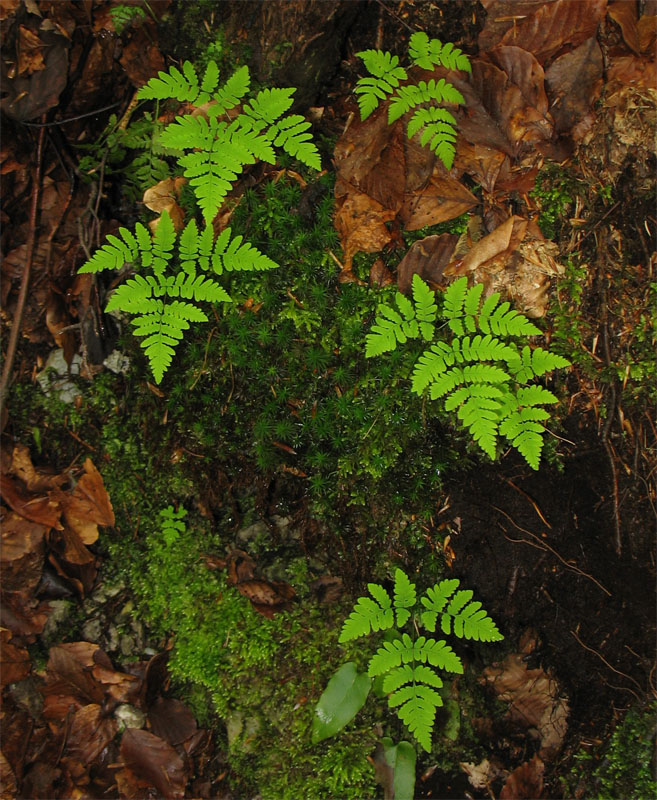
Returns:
(555, 25)
(481, 775)
(89, 733)
(88, 506)
(30, 51)
(526, 781)
(43, 510)
(15, 663)
(427, 258)
(575, 82)
(624, 14)
(380, 274)
(154, 760)
(35, 480)
(22, 554)
(535, 701)
(442, 198)
(172, 720)
(360, 222)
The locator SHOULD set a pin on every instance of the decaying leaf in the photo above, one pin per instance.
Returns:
(525, 781)
(481, 775)
(535, 701)
(153, 760)
(427, 258)
(575, 82)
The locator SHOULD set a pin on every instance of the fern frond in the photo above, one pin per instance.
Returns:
(269, 104)
(115, 254)
(412, 95)
(387, 74)
(391, 654)
(405, 598)
(391, 327)
(231, 93)
(291, 133)
(408, 673)
(174, 85)
(236, 255)
(472, 373)
(428, 53)
(434, 601)
(368, 615)
(417, 710)
(468, 619)
(425, 307)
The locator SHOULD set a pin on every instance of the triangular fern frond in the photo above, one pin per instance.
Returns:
(426, 309)
(391, 654)
(435, 599)
(429, 53)
(408, 673)
(231, 93)
(468, 619)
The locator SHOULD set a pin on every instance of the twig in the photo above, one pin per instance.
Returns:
(613, 669)
(25, 280)
(602, 250)
(572, 567)
(71, 119)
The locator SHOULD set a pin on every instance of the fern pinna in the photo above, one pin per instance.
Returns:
(482, 371)
(406, 663)
(386, 79)
(164, 300)
(216, 150)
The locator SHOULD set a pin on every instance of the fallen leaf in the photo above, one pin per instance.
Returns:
(535, 701)
(624, 14)
(154, 760)
(575, 83)
(525, 781)
(15, 663)
(90, 731)
(427, 258)
(88, 506)
(30, 51)
(22, 553)
(172, 720)
(555, 25)
(42, 510)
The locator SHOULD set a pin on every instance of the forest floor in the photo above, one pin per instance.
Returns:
(149, 655)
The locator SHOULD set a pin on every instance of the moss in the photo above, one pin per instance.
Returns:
(624, 766)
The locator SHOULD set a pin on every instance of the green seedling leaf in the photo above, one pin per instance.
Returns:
(401, 758)
(342, 699)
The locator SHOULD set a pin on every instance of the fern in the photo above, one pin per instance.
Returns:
(481, 373)
(216, 152)
(407, 663)
(165, 302)
(413, 319)
(438, 125)
(172, 523)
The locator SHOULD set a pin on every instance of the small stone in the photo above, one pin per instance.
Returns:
(252, 532)
(92, 630)
(59, 612)
(129, 717)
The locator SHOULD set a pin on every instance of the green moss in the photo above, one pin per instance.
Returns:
(623, 767)
(555, 191)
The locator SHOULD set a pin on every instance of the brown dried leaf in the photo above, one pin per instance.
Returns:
(428, 257)
(442, 198)
(89, 734)
(380, 275)
(69, 674)
(15, 663)
(535, 701)
(88, 506)
(360, 222)
(172, 720)
(555, 26)
(152, 759)
(241, 567)
(30, 51)
(45, 511)
(21, 557)
(515, 99)
(525, 781)
(624, 14)
(575, 82)
(141, 58)
(36, 481)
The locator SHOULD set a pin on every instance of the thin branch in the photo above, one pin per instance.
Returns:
(25, 280)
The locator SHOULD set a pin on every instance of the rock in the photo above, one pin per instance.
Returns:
(54, 378)
(129, 717)
(246, 535)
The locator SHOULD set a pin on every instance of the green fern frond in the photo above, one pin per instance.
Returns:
(417, 710)
(407, 674)
(435, 599)
(405, 598)
(386, 76)
(368, 615)
(236, 255)
(429, 53)
(291, 133)
(468, 619)
(231, 93)
(172, 523)
(391, 654)
(426, 309)
(269, 104)
(412, 95)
